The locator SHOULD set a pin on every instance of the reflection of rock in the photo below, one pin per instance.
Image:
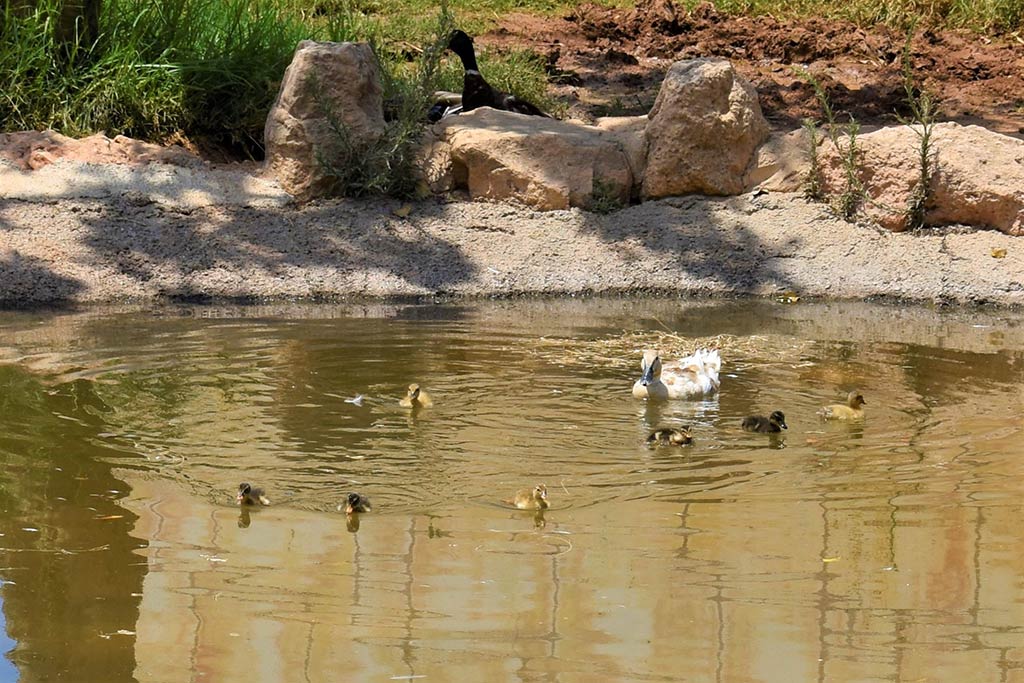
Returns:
(336, 79)
(704, 129)
(545, 163)
(980, 178)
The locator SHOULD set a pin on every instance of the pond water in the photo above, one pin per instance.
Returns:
(889, 550)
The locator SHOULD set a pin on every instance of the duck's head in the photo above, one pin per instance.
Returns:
(650, 367)
(244, 490)
(352, 502)
(540, 492)
(682, 435)
(855, 400)
(778, 418)
(414, 392)
(460, 43)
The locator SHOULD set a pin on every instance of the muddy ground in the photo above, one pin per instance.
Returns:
(611, 61)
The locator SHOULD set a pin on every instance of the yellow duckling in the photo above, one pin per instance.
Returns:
(775, 422)
(356, 502)
(667, 436)
(416, 398)
(247, 495)
(531, 499)
(690, 377)
(849, 412)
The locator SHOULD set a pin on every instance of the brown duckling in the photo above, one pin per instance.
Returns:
(668, 436)
(247, 495)
(849, 412)
(775, 422)
(416, 398)
(356, 502)
(531, 499)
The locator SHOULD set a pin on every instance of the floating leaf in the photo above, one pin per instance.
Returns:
(998, 253)
(830, 559)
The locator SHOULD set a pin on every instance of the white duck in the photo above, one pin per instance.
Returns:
(690, 377)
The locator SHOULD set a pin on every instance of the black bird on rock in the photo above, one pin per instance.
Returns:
(476, 92)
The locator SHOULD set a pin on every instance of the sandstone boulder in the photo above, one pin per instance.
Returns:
(324, 79)
(979, 178)
(544, 163)
(781, 163)
(704, 128)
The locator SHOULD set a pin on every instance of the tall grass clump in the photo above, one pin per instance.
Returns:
(202, 68)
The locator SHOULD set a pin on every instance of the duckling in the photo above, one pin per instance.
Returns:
(690, 377)
(531, 499)
(356, 502)
(667, 436)
(775, 422)
(849, 412)
(247, 495)
(476, 92)
(416, 398)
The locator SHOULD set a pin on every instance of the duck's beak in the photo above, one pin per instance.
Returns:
(784, 426)
(238, 498)
(648, 376)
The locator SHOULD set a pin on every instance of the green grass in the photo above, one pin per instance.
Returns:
(979, 15)
(208, 70)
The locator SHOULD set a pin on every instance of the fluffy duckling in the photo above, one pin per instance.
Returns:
(849, 412)
(531, 499)
(668, 436)
(690, 377)
(775, 422)
(416, 398)
(247, 495)
(476, 92)
(356, 502)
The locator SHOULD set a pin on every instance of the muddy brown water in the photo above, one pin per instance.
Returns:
(885, 551)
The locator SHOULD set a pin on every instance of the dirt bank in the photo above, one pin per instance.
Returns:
(118, 248)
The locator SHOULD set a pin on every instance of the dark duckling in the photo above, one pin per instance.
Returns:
(247, 495)
(668, 436)
(477, 92)
(356, 502)
(775, 422)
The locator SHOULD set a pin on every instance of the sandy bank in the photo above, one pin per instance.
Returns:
(133, 246)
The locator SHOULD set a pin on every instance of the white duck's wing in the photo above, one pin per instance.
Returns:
(694, 375)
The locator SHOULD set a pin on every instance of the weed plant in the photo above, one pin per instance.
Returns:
(844, 138)
(924, 113)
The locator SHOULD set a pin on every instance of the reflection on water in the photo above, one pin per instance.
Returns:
(881, 551)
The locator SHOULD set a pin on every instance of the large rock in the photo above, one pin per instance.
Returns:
(544, 163)
(704, 129)
(782, 163)
(324, 79)
(979, 179)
